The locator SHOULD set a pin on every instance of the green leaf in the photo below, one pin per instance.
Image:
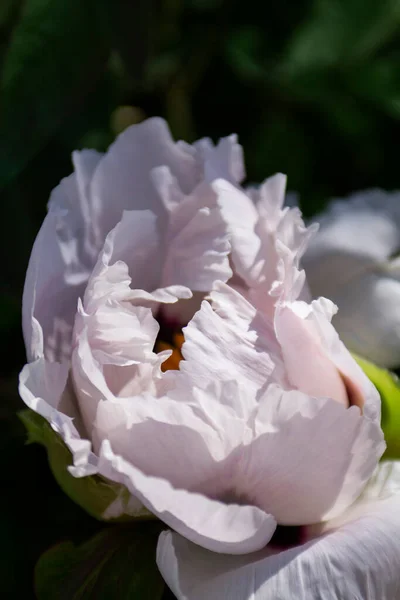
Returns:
(94, 494)
(56, 55)
(119, 563)
(388, 386)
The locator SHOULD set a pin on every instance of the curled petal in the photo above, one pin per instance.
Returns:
(213, 351)
(230, 528)
(130, 423)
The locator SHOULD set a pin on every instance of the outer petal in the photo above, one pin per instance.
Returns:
(217, 526)
(60, 264)
(358, 561)
(224, 160)
(123, 180)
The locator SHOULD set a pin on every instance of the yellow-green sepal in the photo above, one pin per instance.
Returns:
(93, 493)
(388, 386)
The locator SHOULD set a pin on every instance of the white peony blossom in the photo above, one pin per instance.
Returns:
(353, 259)
(224, 418)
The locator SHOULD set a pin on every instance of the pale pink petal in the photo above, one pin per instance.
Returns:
(384, 483)
(231, 528)
(134, 242)
(269, 199)
(224, 160)
(315, 457)
(260, 227)
(213, 351)
(122, 180)
(114, 336)
(114, 356)
(361, 390)
(266, 460)
(224, 405)
(195, 246)
(308, 366)
(165, 439)
(359, 560)
(85, 163)
(60, 264)
(239, 315)
(241, 218)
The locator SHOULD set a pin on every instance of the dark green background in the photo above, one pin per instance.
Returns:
(312, 87)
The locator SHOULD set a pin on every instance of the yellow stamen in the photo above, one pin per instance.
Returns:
(172, 363)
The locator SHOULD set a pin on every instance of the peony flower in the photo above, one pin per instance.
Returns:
(267, 421)
(353, 260)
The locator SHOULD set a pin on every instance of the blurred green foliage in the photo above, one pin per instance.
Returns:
(312, 88)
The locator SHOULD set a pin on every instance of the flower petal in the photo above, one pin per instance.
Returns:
(241, 218)
(304, 356)
(213, 351)
(257, 223)
(223, 160)
(130, 423)
(59, 266)
(303, 444)
(318, 315)
(220, 527)
(359, 560)
(196, 238)
(123, 180)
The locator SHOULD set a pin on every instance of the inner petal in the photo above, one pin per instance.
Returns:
(308, 367)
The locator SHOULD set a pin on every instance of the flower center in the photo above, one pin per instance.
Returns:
(174, 343)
